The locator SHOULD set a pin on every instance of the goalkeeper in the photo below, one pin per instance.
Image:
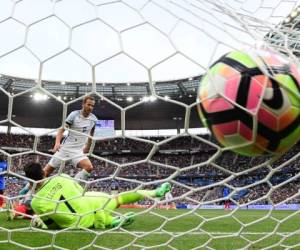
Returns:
(62, 203)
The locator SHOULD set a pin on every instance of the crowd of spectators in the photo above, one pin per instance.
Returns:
(198, 172)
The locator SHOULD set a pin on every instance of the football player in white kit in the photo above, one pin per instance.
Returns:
(75, 144)
(169, 201)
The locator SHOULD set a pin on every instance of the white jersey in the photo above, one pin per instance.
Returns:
(78, 123)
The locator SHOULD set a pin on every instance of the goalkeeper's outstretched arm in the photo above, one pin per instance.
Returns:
(45, 223)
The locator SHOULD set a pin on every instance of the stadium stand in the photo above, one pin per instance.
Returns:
(181, 152)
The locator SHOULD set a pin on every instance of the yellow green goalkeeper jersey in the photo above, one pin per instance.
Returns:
(60, 203)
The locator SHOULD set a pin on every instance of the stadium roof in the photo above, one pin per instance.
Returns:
(115, 91)
(128, 41)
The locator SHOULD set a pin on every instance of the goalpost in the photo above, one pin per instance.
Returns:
(102, 41)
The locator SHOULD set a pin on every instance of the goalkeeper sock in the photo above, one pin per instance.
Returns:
(82, 175)
(128, 198)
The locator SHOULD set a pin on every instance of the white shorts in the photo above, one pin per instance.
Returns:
(62, 155)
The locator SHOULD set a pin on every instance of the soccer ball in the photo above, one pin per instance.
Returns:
(250, 101)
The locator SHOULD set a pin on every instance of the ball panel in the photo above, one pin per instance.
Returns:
(227, 128)
(296, 74)
(203, 93)
(272, 59)
(226, 71)
(246, 132)
(279, 109)
(251, 150)
(218, 135)
(243, 146)
(255, 93)
(242, 58)
(265, 117)
(288, 117)
(289, 85)
(236, 140)
(261, 143)
(221, 74)
(289, 141)
(216, 105)
(294, 100)
(231, 87)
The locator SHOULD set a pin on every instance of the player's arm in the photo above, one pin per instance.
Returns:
(44, 222)
(37, 220)
(59, 136)
(60, 133)
(89, 142)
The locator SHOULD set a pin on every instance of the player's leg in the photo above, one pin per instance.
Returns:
(169, 203)
(85, 164)
(104, 219)
(104, 204)
(111, 204)
(54, 162)
(48, 169)
(228, 204)
(121, 221)
(131, 197)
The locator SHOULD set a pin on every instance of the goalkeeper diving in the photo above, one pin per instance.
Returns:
(60, 202)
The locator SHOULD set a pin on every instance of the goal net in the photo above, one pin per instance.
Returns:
(144, 61)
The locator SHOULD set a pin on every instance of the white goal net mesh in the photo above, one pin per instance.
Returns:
(49, 49)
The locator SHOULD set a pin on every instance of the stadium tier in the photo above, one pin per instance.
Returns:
(180, 153)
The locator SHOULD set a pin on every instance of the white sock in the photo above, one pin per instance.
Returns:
(82, 175)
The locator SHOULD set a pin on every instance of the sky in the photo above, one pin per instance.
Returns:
(129, 40)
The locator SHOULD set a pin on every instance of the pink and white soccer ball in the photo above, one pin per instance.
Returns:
(250, 101)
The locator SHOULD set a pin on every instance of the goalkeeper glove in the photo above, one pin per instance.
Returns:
(38, 222)
(123, 221)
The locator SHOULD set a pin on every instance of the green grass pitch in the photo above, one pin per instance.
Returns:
(168, 229)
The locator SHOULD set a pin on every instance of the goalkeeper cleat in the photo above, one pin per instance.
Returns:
(123, 221)
(163, 189)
